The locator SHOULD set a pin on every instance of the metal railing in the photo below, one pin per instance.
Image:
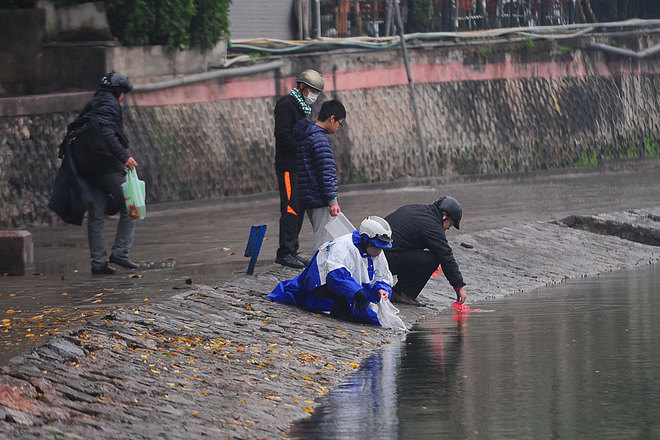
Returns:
(375, 18)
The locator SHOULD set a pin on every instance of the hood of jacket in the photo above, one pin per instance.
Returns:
(105, 109)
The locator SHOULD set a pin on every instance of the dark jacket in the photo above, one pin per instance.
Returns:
(287, 114)
(315, 172)
(98, 142)
(420, 227)
(71, 195)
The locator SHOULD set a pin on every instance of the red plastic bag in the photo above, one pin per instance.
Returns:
(464, 308)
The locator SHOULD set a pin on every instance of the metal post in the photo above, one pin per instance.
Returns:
(543, 13)
(388, 19)
(317, 16)
(374, 18)
(411, 89)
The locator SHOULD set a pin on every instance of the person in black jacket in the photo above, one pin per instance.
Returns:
(289, 110)
(102, 160)
(420, 245)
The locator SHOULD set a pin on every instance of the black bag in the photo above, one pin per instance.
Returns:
(88, 147)
(71, 196)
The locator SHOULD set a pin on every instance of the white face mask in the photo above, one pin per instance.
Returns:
(311, 97)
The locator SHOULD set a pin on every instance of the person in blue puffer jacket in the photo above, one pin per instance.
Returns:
(315, 167)
(348, 277)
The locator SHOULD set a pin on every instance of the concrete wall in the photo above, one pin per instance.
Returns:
(32, 66)
(81, 22)
(491, 108)
(20, 49)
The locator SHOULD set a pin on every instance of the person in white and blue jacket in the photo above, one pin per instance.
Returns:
(345, 275)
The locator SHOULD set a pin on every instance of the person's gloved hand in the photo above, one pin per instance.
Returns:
(360, 301)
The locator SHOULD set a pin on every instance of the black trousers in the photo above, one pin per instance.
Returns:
(413, 269)
(291, 217)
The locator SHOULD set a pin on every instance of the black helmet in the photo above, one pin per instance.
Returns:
(453, 209)
(116, 82)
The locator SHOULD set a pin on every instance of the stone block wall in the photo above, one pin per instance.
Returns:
(483, 111)
(197, 151)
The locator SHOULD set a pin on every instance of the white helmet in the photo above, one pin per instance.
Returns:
(377, 231)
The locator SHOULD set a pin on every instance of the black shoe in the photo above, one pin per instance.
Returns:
(402, 298)
(104, 270)
(291, 261)
(302, 259)
(123, 262)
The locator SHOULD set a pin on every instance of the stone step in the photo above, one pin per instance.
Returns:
(16, 252)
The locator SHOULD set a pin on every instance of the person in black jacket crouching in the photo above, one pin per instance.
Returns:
(420, 245)
(100, 154)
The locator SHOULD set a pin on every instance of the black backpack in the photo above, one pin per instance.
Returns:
(88, 147)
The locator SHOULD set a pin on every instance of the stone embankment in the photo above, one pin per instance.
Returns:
(491, 107)
(226, 362)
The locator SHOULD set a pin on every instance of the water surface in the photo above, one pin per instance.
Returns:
(575, 361)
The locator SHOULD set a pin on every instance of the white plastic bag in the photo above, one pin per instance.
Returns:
(339, 225)
(387, 315)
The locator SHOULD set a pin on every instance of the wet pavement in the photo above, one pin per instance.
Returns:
(195, 350)
(203, 242)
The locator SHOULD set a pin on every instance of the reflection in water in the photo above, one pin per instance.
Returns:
(362, 407)
(576, 361)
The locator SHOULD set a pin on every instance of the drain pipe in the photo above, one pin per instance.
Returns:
(317, 16)
(199, 77)
(626, 52)
(411, 89)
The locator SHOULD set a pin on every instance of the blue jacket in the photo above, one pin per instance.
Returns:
(315, 169)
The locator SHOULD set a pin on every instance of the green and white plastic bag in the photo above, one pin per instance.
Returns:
(135, 195)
